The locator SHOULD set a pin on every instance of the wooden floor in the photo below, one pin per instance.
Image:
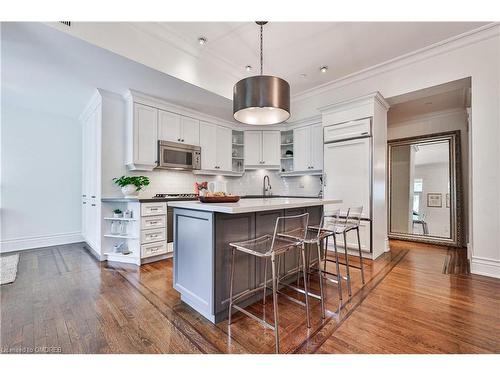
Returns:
(65, 301)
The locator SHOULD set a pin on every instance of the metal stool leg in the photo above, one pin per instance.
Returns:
(347, 266)
(265, 282)
(339, 276)
(360, 257)
(320, 274)
(304, 265)
(231, 286)
(325, 254)
(275, 303)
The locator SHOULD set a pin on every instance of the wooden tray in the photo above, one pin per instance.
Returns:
(228, 199)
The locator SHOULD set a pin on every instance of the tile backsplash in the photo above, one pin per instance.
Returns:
(249, 184)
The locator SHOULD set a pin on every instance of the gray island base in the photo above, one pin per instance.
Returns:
(202, 233)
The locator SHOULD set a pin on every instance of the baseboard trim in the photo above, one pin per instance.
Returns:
(485, 267)
(27, 243)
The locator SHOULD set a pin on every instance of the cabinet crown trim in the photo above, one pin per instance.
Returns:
(152, 101)
(374, 97)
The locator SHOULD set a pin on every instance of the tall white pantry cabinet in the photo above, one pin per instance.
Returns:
(355, 160)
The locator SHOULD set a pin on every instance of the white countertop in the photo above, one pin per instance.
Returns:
(253, 204)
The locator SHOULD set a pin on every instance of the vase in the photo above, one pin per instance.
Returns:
(130, 191)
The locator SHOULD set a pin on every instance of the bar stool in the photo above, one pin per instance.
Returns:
(271, 247)
(316, 235)
(343, 226)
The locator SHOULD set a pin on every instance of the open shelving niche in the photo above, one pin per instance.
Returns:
(237, 151)
(131, 240)
(286, 145)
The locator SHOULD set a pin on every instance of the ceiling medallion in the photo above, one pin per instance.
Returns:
(261, 100)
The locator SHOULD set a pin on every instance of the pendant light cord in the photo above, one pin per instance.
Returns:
(261, 54)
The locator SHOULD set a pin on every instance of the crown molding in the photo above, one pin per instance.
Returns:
(92, 104)
(374, 97)
(152, 101)
(459, 41)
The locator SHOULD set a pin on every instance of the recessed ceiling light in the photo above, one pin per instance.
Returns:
(202, 40)
(323, 69)
(303, 75)
(248, 68)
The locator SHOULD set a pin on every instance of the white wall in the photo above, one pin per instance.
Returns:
(476, 55)
(165, 181)
(41, 179)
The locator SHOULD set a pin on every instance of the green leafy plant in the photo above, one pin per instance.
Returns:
(138, 181)
(117, 211)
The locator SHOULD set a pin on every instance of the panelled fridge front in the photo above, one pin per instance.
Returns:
(347, 174)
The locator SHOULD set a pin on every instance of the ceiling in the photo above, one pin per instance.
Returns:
(296, 50)
(432, 153)
(53, 72)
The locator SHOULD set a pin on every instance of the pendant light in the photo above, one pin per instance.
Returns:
(261, 100)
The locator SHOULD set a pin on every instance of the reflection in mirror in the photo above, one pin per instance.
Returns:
(420, 199)
(423, 188)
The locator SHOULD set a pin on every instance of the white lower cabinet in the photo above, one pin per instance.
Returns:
(153, 249)
(153, 229)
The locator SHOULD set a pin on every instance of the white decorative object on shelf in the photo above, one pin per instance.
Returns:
(127, 214)
(130, 191)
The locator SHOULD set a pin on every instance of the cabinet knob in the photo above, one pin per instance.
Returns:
(84, 202)
(83, 195)
(182, 140)
(93, 204)
(178, 139)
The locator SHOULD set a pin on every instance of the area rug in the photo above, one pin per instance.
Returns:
(8, 269)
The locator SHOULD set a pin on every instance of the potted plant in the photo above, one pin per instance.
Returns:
(131, 185)
(117, 213)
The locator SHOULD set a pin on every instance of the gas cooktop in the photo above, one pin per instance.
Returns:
(175, 196)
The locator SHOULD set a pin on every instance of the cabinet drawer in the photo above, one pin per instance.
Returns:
(152, 249)
(154, 208)
(152, 222)
(153, 235)
(348, 130)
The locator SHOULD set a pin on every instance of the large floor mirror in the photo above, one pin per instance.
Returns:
(425, 189)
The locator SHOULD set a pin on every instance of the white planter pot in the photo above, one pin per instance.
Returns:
(130, 191)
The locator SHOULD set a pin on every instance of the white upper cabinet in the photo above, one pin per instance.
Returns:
(253, 147)
(316, 147)
(142, 152)
(215, 142)
(262, 148)
(169, 126)
(224, 148)
(190, 131)
(348, 130)
(177, 128)
(271, 143)
(301, 149)
(308, 148)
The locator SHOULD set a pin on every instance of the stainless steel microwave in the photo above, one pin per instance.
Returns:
(178, 156)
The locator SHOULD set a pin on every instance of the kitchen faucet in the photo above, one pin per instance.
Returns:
(268, 189)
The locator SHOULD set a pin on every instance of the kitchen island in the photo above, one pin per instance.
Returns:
(202, 233)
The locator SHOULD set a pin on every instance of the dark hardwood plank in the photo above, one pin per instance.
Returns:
(418, 299)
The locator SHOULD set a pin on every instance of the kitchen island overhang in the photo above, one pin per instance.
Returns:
(202, 233)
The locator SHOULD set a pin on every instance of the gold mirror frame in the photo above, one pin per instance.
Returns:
(456, 199)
